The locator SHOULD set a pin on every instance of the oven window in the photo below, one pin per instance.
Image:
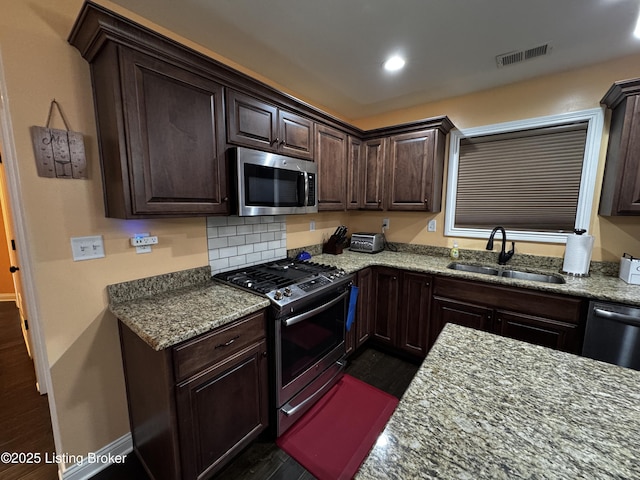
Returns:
(306, 342)
(271, 187)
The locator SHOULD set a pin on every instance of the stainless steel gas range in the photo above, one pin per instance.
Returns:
(309, 303)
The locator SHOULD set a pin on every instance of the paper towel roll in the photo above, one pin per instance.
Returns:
(577, 255)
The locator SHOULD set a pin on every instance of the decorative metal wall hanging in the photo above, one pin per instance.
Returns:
(59, 153)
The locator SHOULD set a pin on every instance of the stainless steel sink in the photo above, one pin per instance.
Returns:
(506, 273)
(474, 268)
(535, 277)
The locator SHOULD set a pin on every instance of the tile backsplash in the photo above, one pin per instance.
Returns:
(235, 242)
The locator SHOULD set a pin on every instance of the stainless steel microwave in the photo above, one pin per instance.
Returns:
(272, 184)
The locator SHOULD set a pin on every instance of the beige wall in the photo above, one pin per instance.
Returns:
(553, 94)
(80, 335)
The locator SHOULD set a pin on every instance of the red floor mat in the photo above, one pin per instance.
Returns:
(333, 438)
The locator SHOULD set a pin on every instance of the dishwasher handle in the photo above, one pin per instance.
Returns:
(618, 317)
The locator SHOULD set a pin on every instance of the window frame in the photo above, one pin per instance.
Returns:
(595, 123)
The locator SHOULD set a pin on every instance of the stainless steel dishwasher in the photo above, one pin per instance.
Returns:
(613, 334)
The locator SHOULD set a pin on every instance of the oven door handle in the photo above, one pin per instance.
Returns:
(303, 316)
(288, 410)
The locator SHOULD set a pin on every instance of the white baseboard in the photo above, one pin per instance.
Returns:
(98, 461)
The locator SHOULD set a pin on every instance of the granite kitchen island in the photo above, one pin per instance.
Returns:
(488, 407)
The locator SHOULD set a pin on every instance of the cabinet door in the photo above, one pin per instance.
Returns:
(295, 135)
(415, 321)
(222, 410)
(539, 331)
(410, 173)
(372, 174)
(364, 314)
(331, 157)
(386, 305)
(251, 122)
(621, 183)
(354, 168)
(361, 328)
(174, 129)
(445, 310)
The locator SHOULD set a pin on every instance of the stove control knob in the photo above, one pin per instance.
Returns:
(287, 292)
(277, 295)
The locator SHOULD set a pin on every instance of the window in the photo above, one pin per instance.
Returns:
(535, 177)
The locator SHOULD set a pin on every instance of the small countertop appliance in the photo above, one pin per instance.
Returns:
(367, 242)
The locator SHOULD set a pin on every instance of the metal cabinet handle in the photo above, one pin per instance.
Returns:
(221, 345)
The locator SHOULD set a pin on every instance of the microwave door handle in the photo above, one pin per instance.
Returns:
(303, 187)
(303, 316)
(306, 190)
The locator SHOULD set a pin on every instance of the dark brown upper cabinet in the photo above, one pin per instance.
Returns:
(415, 171)
(331, 157)
(372, 174)
(354, 162)
(255, 123)
(166, 115)
(160, 128)
(621, 183)
(402, 167)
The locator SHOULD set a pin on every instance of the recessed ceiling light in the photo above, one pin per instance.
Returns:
(394, 63)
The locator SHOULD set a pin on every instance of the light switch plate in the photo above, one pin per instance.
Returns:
(431, 226)
(87, 248)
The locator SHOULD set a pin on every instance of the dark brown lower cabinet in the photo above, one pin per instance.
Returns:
(540, 331)
(385, 305)
(447, 310)
(536, 317)
(361, 329)
(401, 310)
(413, 334)
(193, 406)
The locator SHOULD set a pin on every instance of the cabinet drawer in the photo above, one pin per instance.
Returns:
(194, 355)
(547, 305)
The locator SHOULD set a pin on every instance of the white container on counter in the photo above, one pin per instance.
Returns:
(630, 269)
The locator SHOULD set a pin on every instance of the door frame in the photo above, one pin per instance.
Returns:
(27, 268)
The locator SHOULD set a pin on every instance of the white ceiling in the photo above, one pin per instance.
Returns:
(331, 51)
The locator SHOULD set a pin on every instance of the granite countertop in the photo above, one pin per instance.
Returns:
(597, 286)
(489, 407)
(167, 309)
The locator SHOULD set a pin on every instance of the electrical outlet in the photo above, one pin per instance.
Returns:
(143, 242)
(87, 248)
(431, 225)
(312, 226)
(385, 223)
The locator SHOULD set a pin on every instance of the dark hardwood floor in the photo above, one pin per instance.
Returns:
(25, 423)
(263, 460)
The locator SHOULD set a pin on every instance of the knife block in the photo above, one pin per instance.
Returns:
(331, 246)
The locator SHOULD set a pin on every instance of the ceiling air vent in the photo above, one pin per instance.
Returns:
(518, 56)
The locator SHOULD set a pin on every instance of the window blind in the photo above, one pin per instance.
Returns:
(524, 180)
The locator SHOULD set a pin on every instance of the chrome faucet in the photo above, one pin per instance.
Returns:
(503, 257)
